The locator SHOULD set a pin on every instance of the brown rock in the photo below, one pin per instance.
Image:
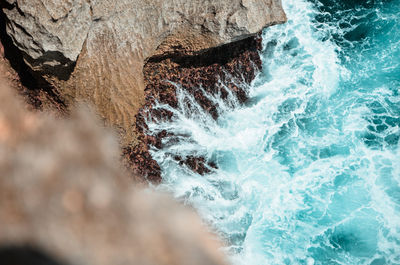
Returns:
(95, 50)
(235, 65)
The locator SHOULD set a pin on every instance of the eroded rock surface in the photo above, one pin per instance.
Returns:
(49, 33)
(110, 41)
(36, 91)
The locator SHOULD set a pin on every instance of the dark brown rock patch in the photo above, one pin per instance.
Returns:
(208, 69)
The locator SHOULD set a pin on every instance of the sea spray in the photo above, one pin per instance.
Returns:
(308, 170)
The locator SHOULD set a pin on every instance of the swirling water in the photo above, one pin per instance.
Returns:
(309, 168)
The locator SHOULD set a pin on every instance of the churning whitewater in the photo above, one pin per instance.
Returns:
(309, 168)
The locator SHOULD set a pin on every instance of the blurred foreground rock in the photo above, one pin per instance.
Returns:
(63, 193)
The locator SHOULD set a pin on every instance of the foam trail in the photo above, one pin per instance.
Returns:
(309, 168)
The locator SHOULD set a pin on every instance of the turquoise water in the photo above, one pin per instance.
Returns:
(309, 168)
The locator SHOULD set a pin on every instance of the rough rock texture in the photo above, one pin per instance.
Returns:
(64, 199)
(231, 66)
(110, 41)
(36, 91)
(50, 33)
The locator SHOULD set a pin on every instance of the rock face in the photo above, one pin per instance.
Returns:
(49, 33)
(95, 50)
(65, 200)
(36, 91)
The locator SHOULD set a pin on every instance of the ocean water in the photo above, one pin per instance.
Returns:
(309, 168)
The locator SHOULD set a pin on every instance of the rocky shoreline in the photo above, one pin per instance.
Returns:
(117, 59)
(224, 64)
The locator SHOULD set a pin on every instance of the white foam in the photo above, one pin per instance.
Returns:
(294, 175)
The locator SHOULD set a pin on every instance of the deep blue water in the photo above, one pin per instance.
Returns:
(309, 168)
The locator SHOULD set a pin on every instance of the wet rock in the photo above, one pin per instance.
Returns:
(234, 65)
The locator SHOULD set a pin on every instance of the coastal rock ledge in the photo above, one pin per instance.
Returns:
(114, 54)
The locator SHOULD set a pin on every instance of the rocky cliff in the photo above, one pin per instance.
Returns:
(95, 50)
(103, 51)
